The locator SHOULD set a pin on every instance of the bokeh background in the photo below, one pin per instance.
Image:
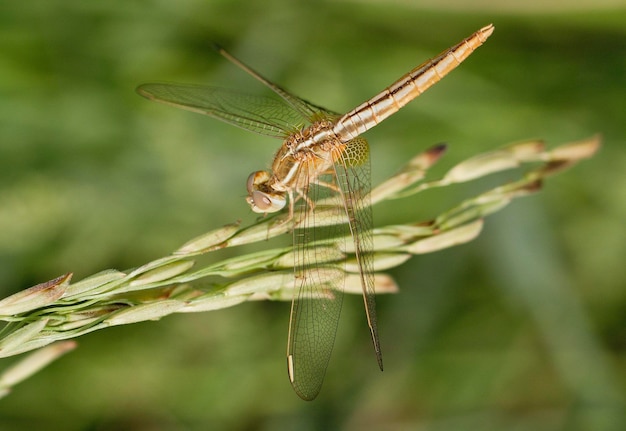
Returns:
(523, 329)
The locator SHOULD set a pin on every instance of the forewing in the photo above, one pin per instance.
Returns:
(318, 294)
(259, 114)
(306, 109)
(340, 211)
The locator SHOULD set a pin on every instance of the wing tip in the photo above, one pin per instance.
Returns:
(141, 90)
(217, 47)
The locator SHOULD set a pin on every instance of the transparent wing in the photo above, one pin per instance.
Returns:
(318, 297)
(339, 211)
(259, 114)
(354, 179)
(306, 109)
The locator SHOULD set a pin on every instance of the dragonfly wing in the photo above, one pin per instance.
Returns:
(311, 110)
(259, 114)
(354, 179)
(306, 109)
(318, 296)
(340, 211)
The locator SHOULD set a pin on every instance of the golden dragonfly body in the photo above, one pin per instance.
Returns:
(325, 160)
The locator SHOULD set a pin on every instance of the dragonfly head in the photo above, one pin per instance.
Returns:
(261, 197)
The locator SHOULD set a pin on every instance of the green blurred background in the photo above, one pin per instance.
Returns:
(523, 329)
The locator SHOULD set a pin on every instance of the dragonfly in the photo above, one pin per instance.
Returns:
(322, 167)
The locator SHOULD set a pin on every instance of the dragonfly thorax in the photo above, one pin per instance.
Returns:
(302, 158)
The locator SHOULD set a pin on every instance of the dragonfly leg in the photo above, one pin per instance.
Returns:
(329, 185)
(279, 221)
(309, 203)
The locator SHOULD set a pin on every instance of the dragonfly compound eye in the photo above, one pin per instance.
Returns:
(265, 202)
(255, 179)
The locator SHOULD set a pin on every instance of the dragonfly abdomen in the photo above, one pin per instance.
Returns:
(407, 88)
